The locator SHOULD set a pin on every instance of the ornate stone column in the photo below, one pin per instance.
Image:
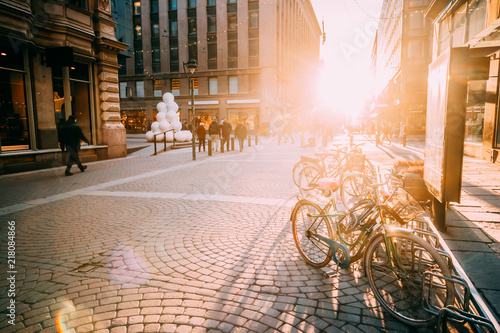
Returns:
(111, 131)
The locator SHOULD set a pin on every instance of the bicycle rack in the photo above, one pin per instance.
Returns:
(477, 323)
(474, 311)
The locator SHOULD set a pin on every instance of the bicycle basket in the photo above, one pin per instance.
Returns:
(404, 205)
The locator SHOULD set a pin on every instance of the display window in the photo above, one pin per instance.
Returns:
(14, 131)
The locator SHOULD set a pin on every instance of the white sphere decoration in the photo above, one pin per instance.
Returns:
(161, 116)
(172, 106)
(161, 107)
(172, 116)
(189, 135)
(180, 136)
(159, 137)
(150, 136)
(176, 125)
(155, 126)
(164, 126)
(169, 136)
(168, 97)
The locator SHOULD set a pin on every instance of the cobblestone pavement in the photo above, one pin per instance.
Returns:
(166, 244)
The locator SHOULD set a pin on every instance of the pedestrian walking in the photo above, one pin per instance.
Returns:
(287, 132)
(386, 133)
(226, 133)
(214, 132)
(241, 134)
(72, 135)
(401, 129)
(201, 132)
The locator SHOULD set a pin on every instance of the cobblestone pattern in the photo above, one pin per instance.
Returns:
(137, 265)
(133, 264)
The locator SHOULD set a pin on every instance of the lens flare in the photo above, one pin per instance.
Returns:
(62, 316)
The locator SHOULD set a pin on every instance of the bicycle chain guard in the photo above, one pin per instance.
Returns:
(334, 246)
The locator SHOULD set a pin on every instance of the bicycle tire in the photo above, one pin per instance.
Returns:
(308, 181)
(297, 168)
(312, 251)
(353, 188)
(402, 297)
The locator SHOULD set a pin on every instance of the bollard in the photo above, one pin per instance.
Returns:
(377, 140)
(209, 147)
(256, 140)
(154, 140)
(351, 140)
(249, 141)
(232, 143)
(403, 140)
(223, 142)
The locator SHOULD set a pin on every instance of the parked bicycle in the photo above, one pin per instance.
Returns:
(396, 261)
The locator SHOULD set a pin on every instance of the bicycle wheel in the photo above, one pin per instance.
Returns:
(297, 168)
(308, 181)
(353, 188)
(304, 224)
(333, 164)
(350, 229)
(396, 276)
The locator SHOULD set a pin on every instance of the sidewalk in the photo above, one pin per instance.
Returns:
(473, 232)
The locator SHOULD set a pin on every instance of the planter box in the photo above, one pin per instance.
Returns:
(415, 185)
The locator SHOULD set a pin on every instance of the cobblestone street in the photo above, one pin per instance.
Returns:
(166, 244)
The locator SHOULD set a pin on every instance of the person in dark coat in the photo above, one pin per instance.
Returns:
(214, 131)
(72, 134)
(202, 133)
(241, 133)
(226, 133)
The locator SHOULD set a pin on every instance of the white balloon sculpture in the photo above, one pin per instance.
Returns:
(167, 118)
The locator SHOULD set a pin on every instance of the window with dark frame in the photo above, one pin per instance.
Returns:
(253, 33)
(172, 5)
(232, 35)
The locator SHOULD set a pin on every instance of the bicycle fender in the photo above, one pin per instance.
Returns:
(334, 246)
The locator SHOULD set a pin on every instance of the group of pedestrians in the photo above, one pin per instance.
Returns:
(220, 134)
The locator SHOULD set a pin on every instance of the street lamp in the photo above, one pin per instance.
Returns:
(191, 66)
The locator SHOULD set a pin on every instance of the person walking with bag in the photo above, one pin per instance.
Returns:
(72, 134)
(241, 134)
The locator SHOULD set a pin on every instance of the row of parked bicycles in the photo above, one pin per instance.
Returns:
(380, 225)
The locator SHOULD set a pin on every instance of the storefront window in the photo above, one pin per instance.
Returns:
(80, 97)
(134, 120)
(249, 117)
(474, 116)
(14, 133)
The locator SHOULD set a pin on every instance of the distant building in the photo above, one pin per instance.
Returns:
(400, 60)
(474, 25)
(56, 59)
(255, 58)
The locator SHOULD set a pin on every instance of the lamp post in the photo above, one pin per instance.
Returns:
(191, 66)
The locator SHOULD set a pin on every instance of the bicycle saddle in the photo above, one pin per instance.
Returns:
(328, 184)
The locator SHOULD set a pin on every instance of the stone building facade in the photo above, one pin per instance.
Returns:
(254, 58)
(57, 58)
